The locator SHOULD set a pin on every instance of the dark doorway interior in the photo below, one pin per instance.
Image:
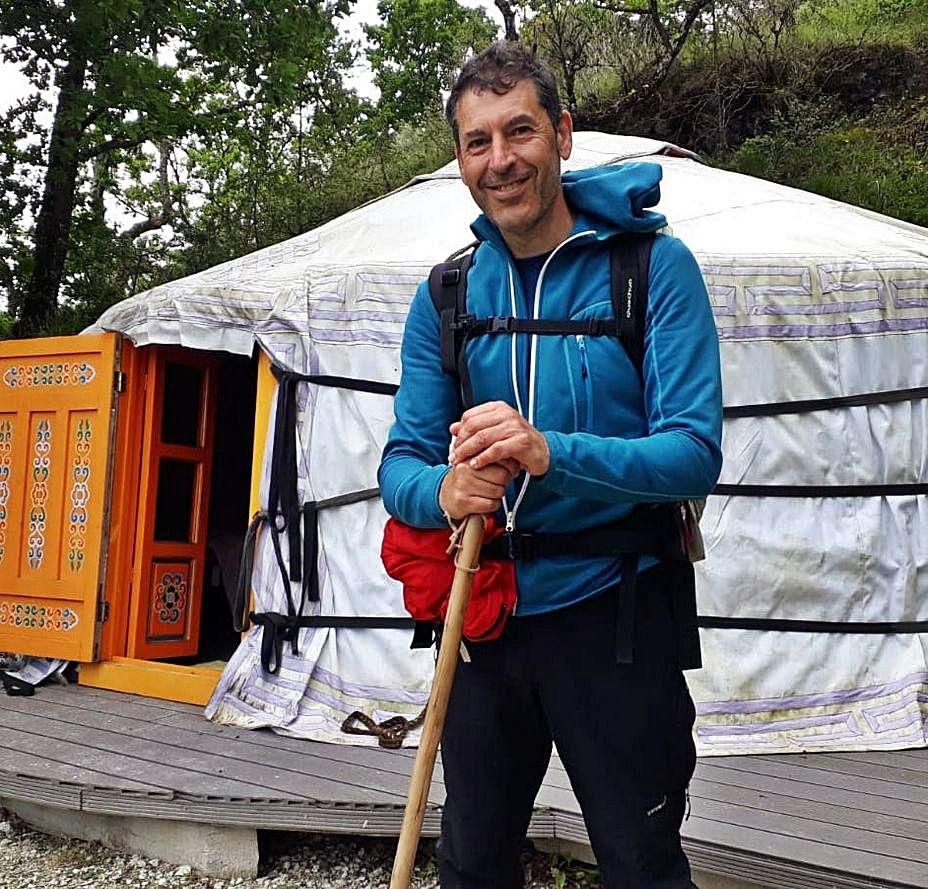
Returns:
(229, 505)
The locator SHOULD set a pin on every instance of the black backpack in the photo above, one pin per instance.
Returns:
(668, 531)
(629, 262)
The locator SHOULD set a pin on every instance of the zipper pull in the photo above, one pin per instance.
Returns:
(510, 521)
(581, 346)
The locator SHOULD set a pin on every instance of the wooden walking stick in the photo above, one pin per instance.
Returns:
(448, 653)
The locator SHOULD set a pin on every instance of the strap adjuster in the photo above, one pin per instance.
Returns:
(521, 546)
(501, 325)
(450, 277)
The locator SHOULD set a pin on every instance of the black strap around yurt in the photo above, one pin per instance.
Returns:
(303, 542)
(786, 625)
(809, 405)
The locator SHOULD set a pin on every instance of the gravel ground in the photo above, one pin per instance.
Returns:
(30, 860)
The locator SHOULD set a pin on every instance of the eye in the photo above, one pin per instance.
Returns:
(477, 143)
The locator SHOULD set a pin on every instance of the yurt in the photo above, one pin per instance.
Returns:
(133, 458)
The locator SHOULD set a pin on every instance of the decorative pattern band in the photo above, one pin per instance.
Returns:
(62, 373)
(41, 468)
(37, 617)
(80, 494)
(6, 467)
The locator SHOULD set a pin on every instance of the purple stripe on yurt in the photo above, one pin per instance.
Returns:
(799, 702)
(358, 315)
(338, 335)
(845, 720)
(370, 691)
(813, 331)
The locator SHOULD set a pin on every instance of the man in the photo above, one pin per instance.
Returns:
(564, 436)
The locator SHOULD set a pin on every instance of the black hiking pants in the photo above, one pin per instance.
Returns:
(623, 732)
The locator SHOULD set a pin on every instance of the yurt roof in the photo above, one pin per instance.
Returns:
(780, 263)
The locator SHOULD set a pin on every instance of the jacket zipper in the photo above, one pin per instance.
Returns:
(581, 345)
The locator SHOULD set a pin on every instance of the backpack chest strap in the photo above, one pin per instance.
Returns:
(471, 326)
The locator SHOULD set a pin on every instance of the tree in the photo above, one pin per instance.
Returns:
(640, 40)
(417, 51)
(566, 33)
(136, 73)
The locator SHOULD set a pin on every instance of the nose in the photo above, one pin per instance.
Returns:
(501, 156)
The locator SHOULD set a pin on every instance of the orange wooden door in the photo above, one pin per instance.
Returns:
(167, 584)
(57, 409)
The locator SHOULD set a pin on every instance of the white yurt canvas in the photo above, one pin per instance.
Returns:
(817, 602)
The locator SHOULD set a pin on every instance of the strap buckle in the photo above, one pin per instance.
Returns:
(501, 325)
(521, 546)
(464, 322)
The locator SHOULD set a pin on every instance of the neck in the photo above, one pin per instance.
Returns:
(546, 235)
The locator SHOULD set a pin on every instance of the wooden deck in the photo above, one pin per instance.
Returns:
(791, 822)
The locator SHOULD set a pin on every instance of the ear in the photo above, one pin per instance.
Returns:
(457, 154)
(565, 135)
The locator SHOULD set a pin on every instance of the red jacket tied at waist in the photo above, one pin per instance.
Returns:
(417, 558)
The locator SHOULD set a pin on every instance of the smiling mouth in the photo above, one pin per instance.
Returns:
(504, 188)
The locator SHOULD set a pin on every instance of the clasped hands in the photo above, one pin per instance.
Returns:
(494, 443)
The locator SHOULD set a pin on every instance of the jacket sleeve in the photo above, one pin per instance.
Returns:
(414, 460)
(680, 457)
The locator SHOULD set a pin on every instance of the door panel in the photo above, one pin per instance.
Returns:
(173, 504)
(57, 407)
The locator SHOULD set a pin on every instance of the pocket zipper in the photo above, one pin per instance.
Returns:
(581, 346)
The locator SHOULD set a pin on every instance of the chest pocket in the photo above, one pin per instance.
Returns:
(601, 379)
(580, 380)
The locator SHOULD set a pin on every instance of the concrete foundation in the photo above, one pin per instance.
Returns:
(217, 851)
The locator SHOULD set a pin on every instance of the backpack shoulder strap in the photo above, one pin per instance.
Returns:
(448, 290)
(629, 264)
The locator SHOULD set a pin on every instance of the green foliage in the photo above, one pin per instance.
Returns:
(854, 162)
(835, 22)
(140, 77)
(416, 52)
(568, 874)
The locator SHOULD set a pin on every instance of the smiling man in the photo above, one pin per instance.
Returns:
(584, 435)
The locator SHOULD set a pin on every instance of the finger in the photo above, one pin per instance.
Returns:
(486, 407)
(468, 447)
(475, 420)
(480, 505)
(495, 473)
(508, 449)
(488, 483)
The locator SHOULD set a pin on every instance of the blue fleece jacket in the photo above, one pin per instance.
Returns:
(612, 445)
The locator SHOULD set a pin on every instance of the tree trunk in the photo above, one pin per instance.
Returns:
(509, 18)
(38, 306)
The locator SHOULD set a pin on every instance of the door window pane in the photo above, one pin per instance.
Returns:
(180, 420)
(177, 481)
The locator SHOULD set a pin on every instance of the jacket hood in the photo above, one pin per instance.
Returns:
(607, 199)
(614, 198)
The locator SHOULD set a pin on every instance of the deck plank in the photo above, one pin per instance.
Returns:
(856, 768)
(252, 763)
(810, 850)
(715, 771)
(125, 756)
(825, 811)
(804, 817)
(808, 772)
(27, 763)
(832, 834)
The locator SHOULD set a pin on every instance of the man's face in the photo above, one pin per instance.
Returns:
(510, 157)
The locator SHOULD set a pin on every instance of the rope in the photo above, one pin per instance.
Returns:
(390, 733)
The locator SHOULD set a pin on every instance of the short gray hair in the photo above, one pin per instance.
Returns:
(499, 68)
